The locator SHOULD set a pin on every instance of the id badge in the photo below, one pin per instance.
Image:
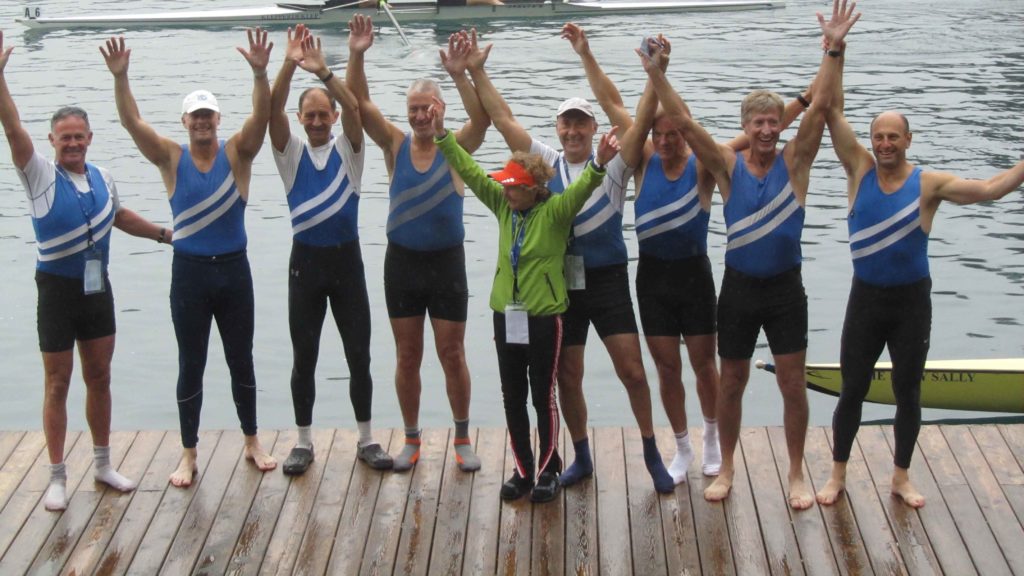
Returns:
(93, 280)
(517, 325)
(575, 274)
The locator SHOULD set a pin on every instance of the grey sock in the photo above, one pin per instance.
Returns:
(410, 453)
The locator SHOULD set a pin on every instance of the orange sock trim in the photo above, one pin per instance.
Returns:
(462, 441)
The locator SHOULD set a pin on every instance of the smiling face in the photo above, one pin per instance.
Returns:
(201, 125)
(668, 140)
(520, 197)
(317, 116)
(576, 133)
(763, 129)
(890, 138)
(70, 137)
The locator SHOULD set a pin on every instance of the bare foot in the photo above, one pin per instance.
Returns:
(719, 489)
(255, 452)
(905, 490)
(187, 468)
(800, 497)
(830, 493)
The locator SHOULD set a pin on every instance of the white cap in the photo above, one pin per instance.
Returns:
(199, 100)
(576, 104)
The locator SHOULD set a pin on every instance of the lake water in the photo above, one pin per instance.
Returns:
(955, 67)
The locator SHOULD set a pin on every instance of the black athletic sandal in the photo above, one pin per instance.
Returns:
(547, 487)
(298, 461)
(516, 487)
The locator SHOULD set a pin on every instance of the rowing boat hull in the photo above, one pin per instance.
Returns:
(981, 385)
(405, 13)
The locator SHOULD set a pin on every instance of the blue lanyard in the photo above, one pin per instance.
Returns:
(78, 196)
(518, 236)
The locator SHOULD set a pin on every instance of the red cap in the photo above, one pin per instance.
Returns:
(513, 175)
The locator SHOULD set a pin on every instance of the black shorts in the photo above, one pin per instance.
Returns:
(420, 282)
(605, 302)
(778, 304)
(676, 297)
(64, 313)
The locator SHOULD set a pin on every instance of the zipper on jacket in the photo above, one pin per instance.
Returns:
(551, 286)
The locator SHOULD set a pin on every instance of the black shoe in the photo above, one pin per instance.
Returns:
(516, 487)
(547, 487)
(298, 461)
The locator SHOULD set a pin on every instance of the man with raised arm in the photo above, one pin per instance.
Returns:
(322, 183)
(596, 261)
(207, 182)
(675, 286)
(73, 205)
(764, 189)
(892, 205)
(425, 263)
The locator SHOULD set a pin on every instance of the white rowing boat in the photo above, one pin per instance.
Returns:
(412, 11)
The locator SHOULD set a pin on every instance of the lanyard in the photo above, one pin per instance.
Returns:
(78, 196)
(518, 235)
(563, 169)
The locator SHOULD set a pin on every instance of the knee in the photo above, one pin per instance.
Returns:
(452, 356)
(57, 388)
(633, 376)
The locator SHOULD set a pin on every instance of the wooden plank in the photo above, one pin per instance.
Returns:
(1013, 435)
(808, 526)
(125, 541)
(37, 522)
(164, 523)
(515, 529)
(421, 508)
(484, 505)
(17, 465)
(1004, 466)
(548, 531)
(581, 551)
(9, 440)
(985, 487)
(314, 552)
(918, 555)
(944, 533)
(453, 507)
(677, 525)
(748, 547)
(238, 502)
(113, 504)
(277, 521)
(644, 504)
(386, 529)
(27, 494)
(615, 554)
(770, 495)
(713, 544)
(847, 546)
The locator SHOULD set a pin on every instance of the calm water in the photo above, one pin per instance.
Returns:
(956, 69)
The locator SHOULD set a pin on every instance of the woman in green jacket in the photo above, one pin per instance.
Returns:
(528, 295)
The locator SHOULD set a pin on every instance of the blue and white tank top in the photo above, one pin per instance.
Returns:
(671, 224)
(763, 221)
(597, 229)
(76, 218)
(209, 214)
(426, 210)
(323, 204)
(887, 244)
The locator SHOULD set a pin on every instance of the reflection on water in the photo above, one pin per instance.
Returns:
(955, 68)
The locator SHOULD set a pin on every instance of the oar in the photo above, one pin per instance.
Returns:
(349, 5)
(765, 366)
(383, 4)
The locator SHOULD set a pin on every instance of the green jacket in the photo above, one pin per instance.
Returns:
(541, 260)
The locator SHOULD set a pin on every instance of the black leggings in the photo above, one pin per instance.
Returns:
(204, 289)
(525, 369)
(317, 275)
(900, 317)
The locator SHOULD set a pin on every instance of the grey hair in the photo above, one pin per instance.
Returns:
(760, 101)
(66, 112)
(425, 86)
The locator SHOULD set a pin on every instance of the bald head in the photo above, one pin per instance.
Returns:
(890, 118)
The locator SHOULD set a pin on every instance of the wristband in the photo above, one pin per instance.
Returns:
(598, 167)
(834, 53)
(326, 79)
(803, 101)
(162, 239)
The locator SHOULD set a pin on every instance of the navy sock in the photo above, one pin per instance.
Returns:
(663, 482)
(583, 466)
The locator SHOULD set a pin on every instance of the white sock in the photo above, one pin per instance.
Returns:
(105, 472)
(305, 438)
(712, 453)
(56, 497)
(683, 458)
(365, 434)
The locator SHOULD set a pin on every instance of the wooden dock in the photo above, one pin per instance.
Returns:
(343, 518)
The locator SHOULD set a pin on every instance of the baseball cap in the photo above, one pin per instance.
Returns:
(199, 100)
(576, 104)
(513, 174)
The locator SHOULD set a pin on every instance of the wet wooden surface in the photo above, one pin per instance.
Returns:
(343, 518)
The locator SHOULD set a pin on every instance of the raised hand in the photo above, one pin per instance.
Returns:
(437, 109)
(5, 53)
(293, 50)
(842, 20)
(577, 37)
(258, 55)
(656, 55)
(360, 34)
(456, 59)
(312, 59)
(476, 58)
(116, 55)
(608, 147)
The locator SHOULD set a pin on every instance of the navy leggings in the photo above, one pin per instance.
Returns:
(204, 289)
(527, 369)
(900, 317)
(317, 275)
